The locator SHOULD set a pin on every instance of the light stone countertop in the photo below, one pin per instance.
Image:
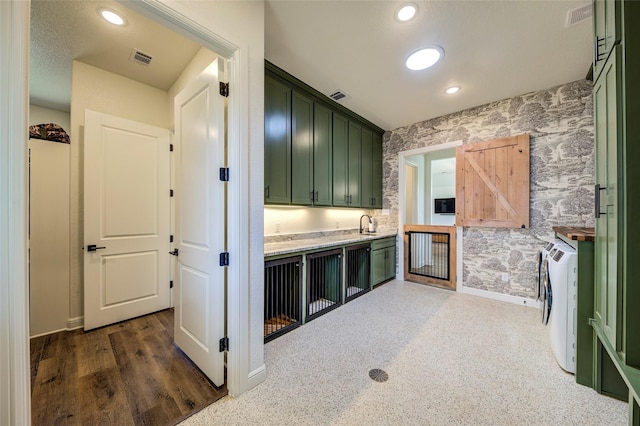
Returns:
(298, 245)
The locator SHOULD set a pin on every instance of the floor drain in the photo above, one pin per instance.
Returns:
(378, 375)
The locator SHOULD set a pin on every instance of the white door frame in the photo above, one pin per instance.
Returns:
(402, 160)
(15, 384)
(237, 53)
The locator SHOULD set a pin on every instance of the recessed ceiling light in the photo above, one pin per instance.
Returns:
(451, 90)
(112, 17)
(424, 58)
(406, 12)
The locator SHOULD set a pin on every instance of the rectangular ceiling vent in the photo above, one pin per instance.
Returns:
(579, 14)
(339, 96)
(140, 57)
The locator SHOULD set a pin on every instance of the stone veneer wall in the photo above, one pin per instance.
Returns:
(560, 123)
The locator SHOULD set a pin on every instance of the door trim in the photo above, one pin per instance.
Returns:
(15, 384)
(402, 160)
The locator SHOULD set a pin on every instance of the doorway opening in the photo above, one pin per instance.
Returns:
(432, 251)
(235, 59)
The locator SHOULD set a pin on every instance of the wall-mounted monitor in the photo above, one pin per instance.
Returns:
(445, 205)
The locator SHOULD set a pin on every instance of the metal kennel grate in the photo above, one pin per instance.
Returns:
(282, 296)
(324, 274)
(358, 277)
(429, 254)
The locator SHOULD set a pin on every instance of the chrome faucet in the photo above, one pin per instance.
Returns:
(360, 224)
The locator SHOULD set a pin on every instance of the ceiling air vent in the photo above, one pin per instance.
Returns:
(579, 14)
(339, 96)
(140, 57)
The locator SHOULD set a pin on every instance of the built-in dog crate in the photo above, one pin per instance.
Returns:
(282, 296)
(324, 277)
(358, 271)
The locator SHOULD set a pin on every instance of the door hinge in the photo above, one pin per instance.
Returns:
(224, 89)
(171, 193)
(224, 344)
(170, 284)
(170, 147)
(170, 238)
(224, 259)
(224, 174)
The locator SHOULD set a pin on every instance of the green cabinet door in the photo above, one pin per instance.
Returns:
(376, 173)
(608, 294)
(322, 155)
(606, 19)
(340, 133)
(301, 149)
(354, 195)
(277, 142)
(378, 266)
(390, 263)
(366, 168)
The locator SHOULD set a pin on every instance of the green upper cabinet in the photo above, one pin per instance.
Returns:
(277, 142)
(376, 173)
(340, 133)
(317, 153)
(371, 170)
(366, 169)
(302, 150)
(322, 155)
(354, 160)
(606, 19)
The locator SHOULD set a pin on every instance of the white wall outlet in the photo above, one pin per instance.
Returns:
(277, 228)
(505, 277)
(337, 225)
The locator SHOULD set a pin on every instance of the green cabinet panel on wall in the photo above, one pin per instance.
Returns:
(301, 150)
(277, 142)
(322, 155)
(616, 320)
(608, 294)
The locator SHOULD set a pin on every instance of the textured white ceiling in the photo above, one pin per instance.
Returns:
(62, 31)
(493, 50)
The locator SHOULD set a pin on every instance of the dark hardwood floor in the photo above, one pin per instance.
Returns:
(123, 374)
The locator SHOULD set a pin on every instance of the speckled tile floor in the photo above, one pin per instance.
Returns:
(451, 358)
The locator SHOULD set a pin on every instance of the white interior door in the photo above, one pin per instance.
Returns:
(200, 221)
(126, 219)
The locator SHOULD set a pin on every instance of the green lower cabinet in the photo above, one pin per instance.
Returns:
(383, 260)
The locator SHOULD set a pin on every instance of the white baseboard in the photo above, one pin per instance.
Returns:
(46, 333)
(516, 300)
(73, 323)
(257, 376)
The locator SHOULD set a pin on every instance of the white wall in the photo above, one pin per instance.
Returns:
(102, 91)
(298, 219)
(49, 227)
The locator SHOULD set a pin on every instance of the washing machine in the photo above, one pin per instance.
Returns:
(560, 286)
(543, 291)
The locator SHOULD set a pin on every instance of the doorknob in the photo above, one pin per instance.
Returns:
(92, 247)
